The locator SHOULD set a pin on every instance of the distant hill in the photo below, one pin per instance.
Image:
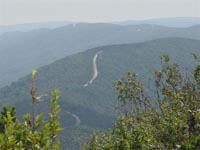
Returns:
(179, 22)
(33, 26)
(23, 51)
(169, 22)
(92, 104)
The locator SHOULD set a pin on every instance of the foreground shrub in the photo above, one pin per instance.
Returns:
(168, 121)
(35, 133)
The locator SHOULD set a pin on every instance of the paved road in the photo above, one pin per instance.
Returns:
(78, 120)
(95, 70)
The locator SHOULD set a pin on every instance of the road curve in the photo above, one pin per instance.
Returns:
(78, 120)
(95, 70)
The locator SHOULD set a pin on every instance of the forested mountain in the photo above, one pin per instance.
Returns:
(33, 26)
(169, 22)
(23, 51)
(88, 107)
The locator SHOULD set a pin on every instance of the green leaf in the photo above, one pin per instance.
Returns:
(34, 73)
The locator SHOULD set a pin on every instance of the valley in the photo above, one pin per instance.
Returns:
(86, 109)
(100, 75)
(41, 47)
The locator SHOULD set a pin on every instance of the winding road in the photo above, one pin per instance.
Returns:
(78, 120)
(95, 70)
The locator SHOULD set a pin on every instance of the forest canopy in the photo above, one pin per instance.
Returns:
(169, 121)
(36, 132)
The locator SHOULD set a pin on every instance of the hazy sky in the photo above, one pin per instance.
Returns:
(22, 11)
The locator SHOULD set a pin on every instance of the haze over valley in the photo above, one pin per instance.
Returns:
(40, 47)
(114, 66)
(85, 108)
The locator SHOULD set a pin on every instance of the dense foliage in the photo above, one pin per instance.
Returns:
(43, 46)
(171, 121)
(35, 133)
(94, 104)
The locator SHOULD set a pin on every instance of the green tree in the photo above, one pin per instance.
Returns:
(35, 133)
(168, 121)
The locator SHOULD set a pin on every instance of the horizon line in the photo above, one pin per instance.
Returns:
(113, 21)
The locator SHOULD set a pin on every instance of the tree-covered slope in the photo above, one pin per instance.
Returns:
(23, 51)
(33, 26)
(86, 108)
(169, 22)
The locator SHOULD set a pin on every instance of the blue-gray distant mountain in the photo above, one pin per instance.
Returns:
(88, 107)
(33, 26)
(169, 22)
(23, 51)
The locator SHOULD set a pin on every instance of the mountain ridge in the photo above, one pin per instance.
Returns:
(171, 22)
(94, 105)
(41, 47)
